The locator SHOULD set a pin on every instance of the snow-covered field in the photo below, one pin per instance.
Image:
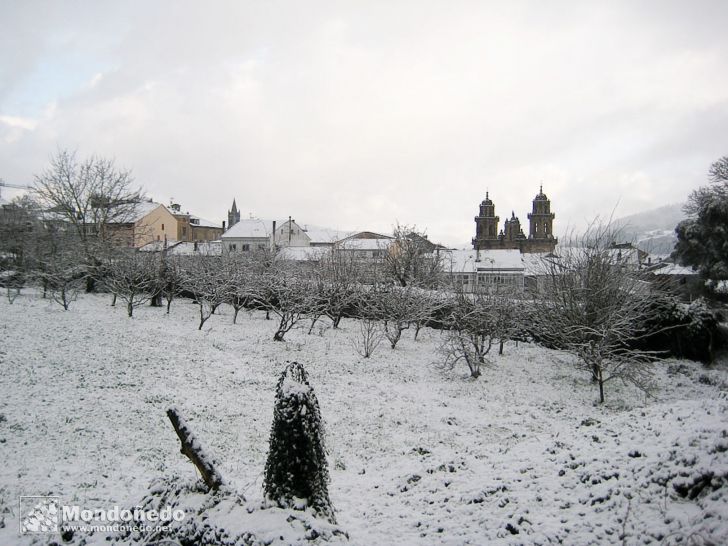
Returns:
(418, 454)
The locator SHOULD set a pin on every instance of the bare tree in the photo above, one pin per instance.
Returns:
(132, 276)
(62, 276)
(170, 279)
(425, 303)
(412, 259)
(368, 336)
(294, 299)
(594, 305)
(206, 279)
(397, 308)
(471, 330)
(89, 196)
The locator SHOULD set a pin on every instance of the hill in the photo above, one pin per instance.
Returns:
(653, 230)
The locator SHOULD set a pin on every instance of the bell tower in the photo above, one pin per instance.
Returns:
(233, 215)
(486, 226)
(541, 224)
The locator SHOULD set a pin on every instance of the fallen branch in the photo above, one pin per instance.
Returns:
(192, 449)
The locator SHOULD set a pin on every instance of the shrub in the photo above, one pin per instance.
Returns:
(296, 472)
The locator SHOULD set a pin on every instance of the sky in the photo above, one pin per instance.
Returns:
(359, 115)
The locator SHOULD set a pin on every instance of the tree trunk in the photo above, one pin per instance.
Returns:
(235, 315)
(156, 300)
(500, 347)
(192, 449)
(601, 386)
(113, 300)
(169, 303)
(130, 307)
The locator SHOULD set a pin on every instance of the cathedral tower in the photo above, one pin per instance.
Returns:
(486, 225)
(541, 223)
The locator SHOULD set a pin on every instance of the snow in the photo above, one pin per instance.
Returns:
(141, 209)
(201, 222)
(364, 244)
(469, 261)
(419, 454)
(250, 228)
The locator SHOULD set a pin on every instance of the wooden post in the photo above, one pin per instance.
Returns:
(192, 449)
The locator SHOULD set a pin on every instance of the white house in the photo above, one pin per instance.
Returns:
(486, 270)
(249, 235)
(257, 234)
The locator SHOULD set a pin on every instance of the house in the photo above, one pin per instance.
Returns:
(256, 234)
(364, 245)
(500, 270)
(679, 279)
(249, 235)
(146, 222)
(191, 228)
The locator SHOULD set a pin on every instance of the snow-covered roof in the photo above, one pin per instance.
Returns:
(301, 253)
(674, 269)
(184, 248)
(468, 261)
(320, 235)
(250, 229)
(364, 244)
(209, 248)
(201, 222)
(140, 210)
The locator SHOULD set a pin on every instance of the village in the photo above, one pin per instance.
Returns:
(501, 259)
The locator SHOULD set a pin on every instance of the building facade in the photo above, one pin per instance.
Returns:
(540, 234)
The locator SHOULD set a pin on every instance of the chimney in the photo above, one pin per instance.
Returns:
(274, 233)
(223, 225)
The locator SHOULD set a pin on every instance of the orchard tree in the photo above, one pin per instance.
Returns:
(594, 305)
(702, 239)
(132, 276)
(471, 329)
(209, 283)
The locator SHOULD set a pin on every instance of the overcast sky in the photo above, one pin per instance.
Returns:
(356, 115)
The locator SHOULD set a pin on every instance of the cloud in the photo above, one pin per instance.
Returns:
(363, 115)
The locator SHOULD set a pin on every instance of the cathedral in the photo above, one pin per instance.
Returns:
(540, 231)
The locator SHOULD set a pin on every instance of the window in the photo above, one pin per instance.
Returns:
(162, 227)
(232, 247)
(261, 246)
(246, 248)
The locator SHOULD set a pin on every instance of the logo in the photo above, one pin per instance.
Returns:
(39, 515)
(48, 515)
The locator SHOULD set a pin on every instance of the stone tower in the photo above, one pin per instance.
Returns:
(233, 215)
(512, 229)
(541, 224)
(486, 225)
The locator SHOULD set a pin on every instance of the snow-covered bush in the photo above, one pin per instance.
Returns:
(681, 330)
(296, 472)
(222, 518)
